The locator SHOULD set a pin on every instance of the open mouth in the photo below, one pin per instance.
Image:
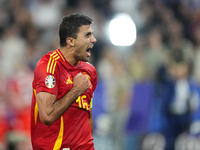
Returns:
(88, 51)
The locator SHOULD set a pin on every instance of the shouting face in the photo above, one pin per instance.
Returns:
(84, 43)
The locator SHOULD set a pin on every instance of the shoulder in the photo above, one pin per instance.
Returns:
(88, 67)
(48, 63)
(42, 62)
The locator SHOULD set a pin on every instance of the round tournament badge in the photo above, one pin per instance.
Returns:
(50, 81)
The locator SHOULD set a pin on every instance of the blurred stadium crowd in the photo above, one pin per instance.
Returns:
(147, 97)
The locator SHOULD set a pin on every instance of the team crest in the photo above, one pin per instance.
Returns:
(90, 84)
(50, 81)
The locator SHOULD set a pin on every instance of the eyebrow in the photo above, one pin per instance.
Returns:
(89, 33)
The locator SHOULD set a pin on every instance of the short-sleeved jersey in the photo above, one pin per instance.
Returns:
(72, 131)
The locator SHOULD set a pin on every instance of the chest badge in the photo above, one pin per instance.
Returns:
(90, 85)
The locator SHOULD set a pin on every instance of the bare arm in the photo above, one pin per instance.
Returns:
(51, 109)
(91, 121)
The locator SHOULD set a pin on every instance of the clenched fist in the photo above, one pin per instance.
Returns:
(80, 83)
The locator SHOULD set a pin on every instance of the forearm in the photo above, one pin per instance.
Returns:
(51, 109)
(57, 108)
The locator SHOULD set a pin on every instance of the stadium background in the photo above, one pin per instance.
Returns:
(147, 95)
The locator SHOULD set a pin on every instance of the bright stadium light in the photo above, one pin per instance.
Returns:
(122, 30)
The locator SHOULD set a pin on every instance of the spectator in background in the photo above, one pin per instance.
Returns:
(155, 54)
(135, 61)
(18, 101)
(45, 16)
(13, 49)
(46, 13)
(117, 93)
(184, 103)
(180, 47)
(175, 102)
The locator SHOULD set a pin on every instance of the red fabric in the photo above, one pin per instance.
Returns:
(77, 132)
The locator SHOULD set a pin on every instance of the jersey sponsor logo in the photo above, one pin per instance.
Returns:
(50, 81)
(69, 81)
(66, 148)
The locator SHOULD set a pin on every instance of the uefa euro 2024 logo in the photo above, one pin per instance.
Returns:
(50, 81)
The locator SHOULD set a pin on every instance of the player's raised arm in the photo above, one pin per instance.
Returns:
(51, 109)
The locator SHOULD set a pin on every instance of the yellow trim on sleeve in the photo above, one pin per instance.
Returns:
(48, 64)
(52, 62)
(55, 55)
(54, 67)
(51, 66)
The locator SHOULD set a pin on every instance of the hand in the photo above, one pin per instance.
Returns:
(80, 83)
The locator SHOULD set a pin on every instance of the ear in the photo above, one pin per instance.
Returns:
(70, 41)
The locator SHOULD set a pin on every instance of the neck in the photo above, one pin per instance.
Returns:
(69, 56)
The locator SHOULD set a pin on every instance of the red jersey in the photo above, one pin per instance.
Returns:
(72, 131)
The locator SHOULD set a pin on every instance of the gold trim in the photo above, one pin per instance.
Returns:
(59, 139)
